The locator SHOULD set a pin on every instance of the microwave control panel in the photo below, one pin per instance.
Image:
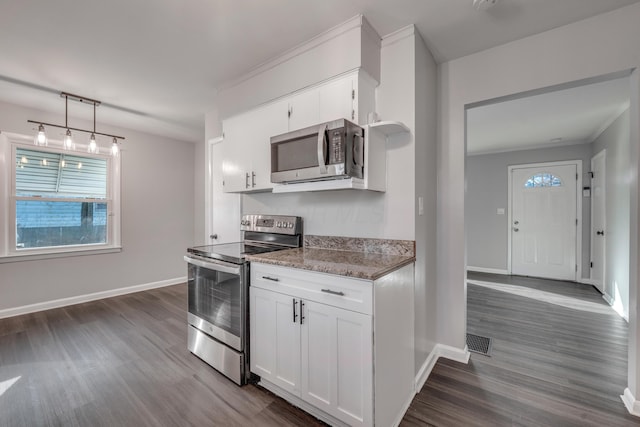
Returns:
(336, 154)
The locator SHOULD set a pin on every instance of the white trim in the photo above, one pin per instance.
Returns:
(630, 402)
(398, 35)
(63, 302)
(586, 281)
(354, 22)
(440, 350)
(487, 270)
(578, 248)
(60, 253)
(619, 310)
(601, 153)
(425, 369)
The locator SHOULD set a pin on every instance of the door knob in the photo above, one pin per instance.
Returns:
(516, 222)
(516, 229)
(213, 236)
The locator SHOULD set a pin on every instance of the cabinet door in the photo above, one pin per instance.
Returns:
(304, 109)
(275, 338)
(264, 123)
(235, 164)
(336, 100)
(337, 362)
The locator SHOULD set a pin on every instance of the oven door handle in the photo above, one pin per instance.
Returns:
(214, 265)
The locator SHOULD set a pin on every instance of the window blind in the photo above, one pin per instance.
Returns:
(41, 173)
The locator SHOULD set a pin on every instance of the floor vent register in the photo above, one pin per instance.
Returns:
(478, 344)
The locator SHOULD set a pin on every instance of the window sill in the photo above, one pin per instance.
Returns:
(34, 256)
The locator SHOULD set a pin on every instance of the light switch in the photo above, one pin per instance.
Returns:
(500, 211)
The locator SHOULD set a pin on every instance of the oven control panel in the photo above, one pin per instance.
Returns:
(282, 224)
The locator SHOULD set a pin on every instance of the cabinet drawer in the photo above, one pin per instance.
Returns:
(343, 292)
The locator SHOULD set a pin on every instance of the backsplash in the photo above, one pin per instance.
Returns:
(357, 244)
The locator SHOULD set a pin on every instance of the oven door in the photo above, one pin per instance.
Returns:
(217, 300)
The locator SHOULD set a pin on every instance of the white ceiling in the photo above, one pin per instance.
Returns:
(569, 116)
(160, 61)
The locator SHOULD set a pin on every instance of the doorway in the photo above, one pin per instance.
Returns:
(544, 216)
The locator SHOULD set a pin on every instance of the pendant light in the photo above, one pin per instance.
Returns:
(41, 137)
(115, 150)
(68, 143)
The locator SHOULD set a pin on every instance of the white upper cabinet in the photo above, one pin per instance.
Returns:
(337, 100)
(247, 139)
(247, 162)
(304, 109)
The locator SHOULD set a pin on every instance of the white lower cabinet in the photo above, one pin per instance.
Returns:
(276, 339)
(312, 342)
(337, 362)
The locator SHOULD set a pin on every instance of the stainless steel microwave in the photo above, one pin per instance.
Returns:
(332, 150)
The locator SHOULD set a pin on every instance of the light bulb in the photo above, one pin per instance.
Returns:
(41, 137)
(93, 147)
(44, 162)
(63, 163)
(114, 148)
(67, 142)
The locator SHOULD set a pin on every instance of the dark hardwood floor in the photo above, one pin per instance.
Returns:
(559, 358)
(123, 362)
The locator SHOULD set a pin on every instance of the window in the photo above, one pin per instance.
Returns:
(543, 180)
(59, 201)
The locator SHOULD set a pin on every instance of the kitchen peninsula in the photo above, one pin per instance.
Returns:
(332, 327)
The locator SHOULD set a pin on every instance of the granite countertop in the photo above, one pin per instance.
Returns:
(370, 264)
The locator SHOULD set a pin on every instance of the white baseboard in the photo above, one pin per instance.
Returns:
(439, 350)
(586, 281)
(487, 270)
(619, 310)
(630, 402)
(47, 305)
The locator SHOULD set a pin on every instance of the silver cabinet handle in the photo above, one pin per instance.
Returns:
(295, 316)
(329, 291)
(301, 312)
(516, 222)
(516, 229)
(273, 279)
(246, 180)
(214, 236)
(253, 179)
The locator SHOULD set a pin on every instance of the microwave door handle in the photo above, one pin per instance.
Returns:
(321, 150)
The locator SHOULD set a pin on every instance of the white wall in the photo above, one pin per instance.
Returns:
(157, 221)
(601, 45)
(487, 178)
(615, 139)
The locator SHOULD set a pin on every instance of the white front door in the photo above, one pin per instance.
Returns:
(223, 223)
(544, 221)
(598, 222)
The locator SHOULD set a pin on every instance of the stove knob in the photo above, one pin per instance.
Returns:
(279, 224)
(290, 225)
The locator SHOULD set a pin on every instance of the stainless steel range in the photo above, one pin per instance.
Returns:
(218, 318)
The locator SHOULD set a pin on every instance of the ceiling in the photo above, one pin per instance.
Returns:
(570, 116)
(156, 64)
